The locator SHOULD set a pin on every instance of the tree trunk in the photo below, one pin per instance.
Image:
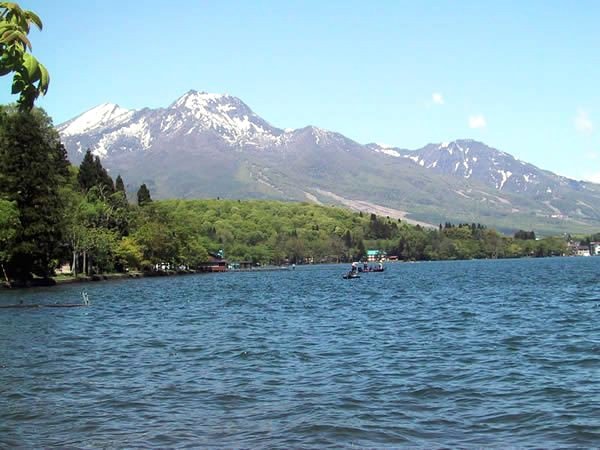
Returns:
(5, 276)
(74, 265)
(85, 271)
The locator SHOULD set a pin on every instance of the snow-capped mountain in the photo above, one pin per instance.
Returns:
(109, 128)
(225, 115)
(473, 160)
(96, 120)
(209, 145)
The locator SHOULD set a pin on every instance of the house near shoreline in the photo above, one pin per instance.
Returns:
(215, 263)
(583, 250)
(376, 255)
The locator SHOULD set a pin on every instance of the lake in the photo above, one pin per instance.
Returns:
(466, 353)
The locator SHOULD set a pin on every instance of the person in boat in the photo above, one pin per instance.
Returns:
(353, 269)
(353, 272)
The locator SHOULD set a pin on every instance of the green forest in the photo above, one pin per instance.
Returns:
(52, 213)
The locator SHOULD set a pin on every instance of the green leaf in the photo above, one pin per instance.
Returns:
(10, 37)
(33, 17)
(31, 65)
(18, 84)
(44, 79)
(7, 26)
(30, 77)
(10, 9)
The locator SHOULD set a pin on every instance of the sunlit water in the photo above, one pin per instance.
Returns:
(469, 354)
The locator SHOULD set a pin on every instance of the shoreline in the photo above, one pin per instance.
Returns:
(60, 280)
(63, 280)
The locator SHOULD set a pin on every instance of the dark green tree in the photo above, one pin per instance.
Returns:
(91, 173)
(348, 239)
(361, 251)
(32, 170)
(102, 176)
(143, 195)
(87, 171)
(525, 235)
(119, 185)
(9, 224)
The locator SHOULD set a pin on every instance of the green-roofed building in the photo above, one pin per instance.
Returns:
(375, 255)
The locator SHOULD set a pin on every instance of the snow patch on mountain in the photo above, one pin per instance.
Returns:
(228, 116)
(136, 131)
(387, 150)
(141, 130)
(96, 119)
(171, 123)
(198, 101)
(225, 108)
(506, 174)
(390, 152)
(317, 134)
(473, 160)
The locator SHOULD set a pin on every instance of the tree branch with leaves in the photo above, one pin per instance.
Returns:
(30, 77)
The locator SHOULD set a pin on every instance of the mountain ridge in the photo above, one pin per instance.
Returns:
(209, 145)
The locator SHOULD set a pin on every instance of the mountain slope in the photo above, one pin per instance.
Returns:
(210, 145)
(470, 159)
(561, 197)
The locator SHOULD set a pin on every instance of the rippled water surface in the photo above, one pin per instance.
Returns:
(470, 354)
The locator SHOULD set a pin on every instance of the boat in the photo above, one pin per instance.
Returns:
(378, 268)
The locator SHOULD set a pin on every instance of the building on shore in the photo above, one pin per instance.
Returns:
(215, 263)
(376, 255)
(583, 250)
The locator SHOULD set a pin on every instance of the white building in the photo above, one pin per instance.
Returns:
(583, 250)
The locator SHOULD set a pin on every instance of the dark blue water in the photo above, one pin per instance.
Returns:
(469, 354)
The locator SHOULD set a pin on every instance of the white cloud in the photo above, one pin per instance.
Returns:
(477, 121)
(582, 122)
(437, 98)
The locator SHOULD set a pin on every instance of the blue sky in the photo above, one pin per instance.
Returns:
(520, 76)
